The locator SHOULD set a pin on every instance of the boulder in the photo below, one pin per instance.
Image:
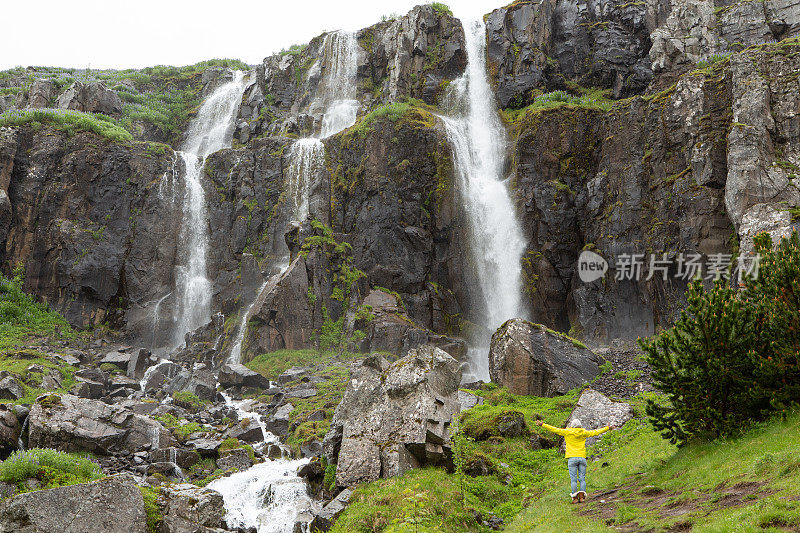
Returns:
(234, 374)
(10, 388)
(394, 416)
(87, 388)
(138, 363)
(294, 373)
(278, 423)
(531, 360)
(90, 98)
(73, 424)
(323, 520)
(41, 93)
(190, 509)
(206, 447)
(9, 429)
(235, 459)
(111, 505)
(118, 359)
(595, 410)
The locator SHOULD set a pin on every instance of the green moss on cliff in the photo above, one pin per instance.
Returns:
(67, 121)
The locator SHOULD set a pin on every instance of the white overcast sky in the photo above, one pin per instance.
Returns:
(134, 34)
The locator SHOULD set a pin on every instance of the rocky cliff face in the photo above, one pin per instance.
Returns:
(689, 158)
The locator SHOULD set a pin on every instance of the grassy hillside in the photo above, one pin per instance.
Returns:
(24, 321)
(637, 481)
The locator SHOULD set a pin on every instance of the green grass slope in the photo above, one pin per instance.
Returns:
(637, 481)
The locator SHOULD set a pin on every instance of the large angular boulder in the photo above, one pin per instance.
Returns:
(189, 509)
(595, 410)
(234, 374)
(9, 429)
(73, 424)
(111, 505)
(394, 416)
(41, 93)
(529, 359)
(90, 98)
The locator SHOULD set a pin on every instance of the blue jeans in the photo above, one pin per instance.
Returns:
(577, 473)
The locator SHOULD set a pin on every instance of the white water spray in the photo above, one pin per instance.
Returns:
(496, 239)
(336, 96)
(306, 160)
(209, 132)
(268, 496)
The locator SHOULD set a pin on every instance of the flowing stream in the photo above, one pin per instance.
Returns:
(210, 131)
(270, 496)
(496, 241)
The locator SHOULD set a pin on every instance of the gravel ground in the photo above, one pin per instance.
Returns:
(629, 374)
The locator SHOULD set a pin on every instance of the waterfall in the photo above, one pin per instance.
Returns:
(336, 98)
(306, 160)
(209, 132)
(496, 241)
(337, 89)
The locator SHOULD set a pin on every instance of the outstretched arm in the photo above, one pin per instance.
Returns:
(554, 429)
(594, 432)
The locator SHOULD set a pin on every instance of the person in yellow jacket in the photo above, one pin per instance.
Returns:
(575, 437)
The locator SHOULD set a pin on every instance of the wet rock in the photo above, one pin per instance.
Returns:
(278, 423)
(538, 46)
(311, 448)
(138, 364)
(235, 459)
(182, 457)
(394, 416)
(530, 360)
(112, 505)
(166, 469)
(9, 429)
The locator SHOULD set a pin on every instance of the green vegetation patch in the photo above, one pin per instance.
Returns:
(51, 467)
(68, 121)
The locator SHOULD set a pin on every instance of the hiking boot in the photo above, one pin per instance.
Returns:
(581, 497)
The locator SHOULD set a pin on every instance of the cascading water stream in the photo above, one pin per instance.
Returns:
(210, 131)
(269, 496)
(336, 98)
(496, 242)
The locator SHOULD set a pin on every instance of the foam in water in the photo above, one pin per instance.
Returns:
(496, 241)
(209, 132)
(268, 496)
